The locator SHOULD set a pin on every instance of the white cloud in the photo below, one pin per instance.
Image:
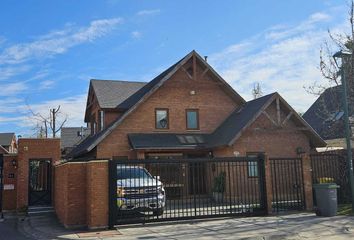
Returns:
(147, 12)
(282, 59)
(47, 84)
(10, 71)
(12, 89)
(57, 42)
(136, 34)
(71, 107)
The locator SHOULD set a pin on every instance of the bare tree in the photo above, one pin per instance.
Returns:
(257, 91)
(53, 121)
(47, 123)
(329, 108)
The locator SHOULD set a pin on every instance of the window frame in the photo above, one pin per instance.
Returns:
(168, 118)
(101, 119)
(197, 114)
(249, 154)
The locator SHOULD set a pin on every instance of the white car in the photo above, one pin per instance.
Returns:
(138, 190)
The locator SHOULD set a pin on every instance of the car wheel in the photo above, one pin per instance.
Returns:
(158, 212)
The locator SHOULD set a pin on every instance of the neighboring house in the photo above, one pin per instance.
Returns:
(326, 117)
(189, 111)
(8, 143)
(70, 137)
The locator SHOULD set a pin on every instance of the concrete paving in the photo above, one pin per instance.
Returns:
(295, 226)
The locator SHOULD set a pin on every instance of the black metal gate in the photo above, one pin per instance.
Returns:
(171, 189)
(287, 184)
(40, 182)
(332, 168)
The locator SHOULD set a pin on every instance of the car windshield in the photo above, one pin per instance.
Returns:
(126, 173)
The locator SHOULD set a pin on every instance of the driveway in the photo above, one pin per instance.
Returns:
(295, 226)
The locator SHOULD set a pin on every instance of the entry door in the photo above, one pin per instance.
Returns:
(197, 175)
(40, 184)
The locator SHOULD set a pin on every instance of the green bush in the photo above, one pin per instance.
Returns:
(219, 183)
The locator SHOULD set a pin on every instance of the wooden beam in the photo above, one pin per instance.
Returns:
(189, 76)
(287, 118)
(280, 129)
(194, 67)
(205, 71)
(278, 111)
(270, 118)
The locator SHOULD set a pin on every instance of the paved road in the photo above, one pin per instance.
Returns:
(294, 227)
(9, 231)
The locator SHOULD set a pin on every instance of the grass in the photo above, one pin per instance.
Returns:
(345, 209)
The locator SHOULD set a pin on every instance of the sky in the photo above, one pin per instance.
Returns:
(49, 50)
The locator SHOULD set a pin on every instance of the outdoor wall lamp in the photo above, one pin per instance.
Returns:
(300, 150)
(14, 163)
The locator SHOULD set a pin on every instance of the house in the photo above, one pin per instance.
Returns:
(188, 111)
(8, 143)
(72, 136)
(326, 117)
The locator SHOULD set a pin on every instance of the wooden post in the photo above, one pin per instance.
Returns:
(307, 174)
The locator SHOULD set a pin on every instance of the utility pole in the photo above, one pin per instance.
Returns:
(53, 112)
(345, 56)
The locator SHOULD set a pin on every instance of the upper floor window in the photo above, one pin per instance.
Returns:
(101, 120)
(192, 119)
(161, 118)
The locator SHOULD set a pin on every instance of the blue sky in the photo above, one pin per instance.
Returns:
(49, 50)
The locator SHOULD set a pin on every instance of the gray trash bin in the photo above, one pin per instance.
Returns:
(326, 198)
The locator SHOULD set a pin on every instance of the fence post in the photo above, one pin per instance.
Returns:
(307, 178)
(268, 184)
(112, 183)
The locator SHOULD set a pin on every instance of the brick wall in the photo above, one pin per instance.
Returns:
(97, 194)
(175, 95)
(81, 194)
(9, 181)
(263, 136)
(32, 148)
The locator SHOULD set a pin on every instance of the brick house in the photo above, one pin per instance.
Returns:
(188, 111)
(326, 116)
(8, 143)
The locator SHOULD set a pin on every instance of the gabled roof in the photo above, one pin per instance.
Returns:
(239, 120)
(325, 114)
(6, 139)
(3, 150)
(131, 103)
(71, 136)
(111, 93)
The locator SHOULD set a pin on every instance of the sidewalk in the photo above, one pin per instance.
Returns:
(295, 226)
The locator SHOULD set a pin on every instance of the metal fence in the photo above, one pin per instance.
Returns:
(287, 184)
(332, 167)
(171, 189)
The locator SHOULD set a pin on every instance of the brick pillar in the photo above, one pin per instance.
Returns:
(307, 173)
(268, 179)
(97, 194)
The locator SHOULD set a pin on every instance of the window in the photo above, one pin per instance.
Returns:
(101, 120)
(252, 166)
(192, 119)
(161, 118)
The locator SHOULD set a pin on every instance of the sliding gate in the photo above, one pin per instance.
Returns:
(171, 189)
(287, 184)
